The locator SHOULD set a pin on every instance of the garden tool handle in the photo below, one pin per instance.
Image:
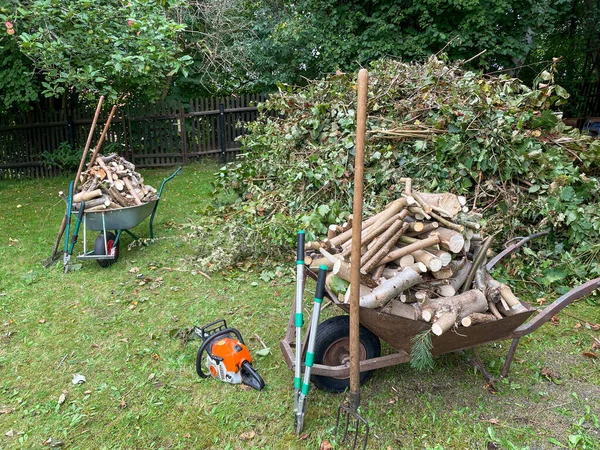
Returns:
(88, 142)
(300, 249)
(361, 127)
(102, 136)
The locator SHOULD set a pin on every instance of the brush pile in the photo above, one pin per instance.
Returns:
(112, 183)
(489, 138)
(422, 258)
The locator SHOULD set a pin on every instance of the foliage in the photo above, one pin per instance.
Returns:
(73, 44)
(63, 157)
(18, 86)
(489, 138)
(573, 38)
(310, 38)
(420, 353)
(117, 327)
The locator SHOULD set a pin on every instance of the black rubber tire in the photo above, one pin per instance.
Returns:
(330, 333)
(99, 249)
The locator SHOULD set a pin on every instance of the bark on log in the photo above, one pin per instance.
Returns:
(390, 288)
(86, 196)
(477, 319)
(419, 245)
(381, 241)
(100, 201)
(385, 250)
(346, 235)
(452, 309)
(132, 191)
(397, 308)
(342, 270)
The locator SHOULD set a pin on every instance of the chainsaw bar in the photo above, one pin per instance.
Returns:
(251, 377)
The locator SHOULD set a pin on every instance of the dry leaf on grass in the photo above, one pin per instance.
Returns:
(550, 374)
(590, 355)
(247, 435)
(326, 445)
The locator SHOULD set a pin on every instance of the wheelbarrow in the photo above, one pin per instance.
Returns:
(331, 366)
(112, 224)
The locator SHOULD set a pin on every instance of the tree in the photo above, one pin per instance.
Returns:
(575, 38)
(310, 38)
(95, 47)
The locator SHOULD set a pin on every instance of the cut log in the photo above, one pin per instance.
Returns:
(132, 191)
(397, 308)
(449, 239)
(342, 270)
(385, 249)
(444, 256)
(432, 262)
(316, 263)
(373, 232)
(86, 196)
(446, 204)
(444, 273)
(511, 299)
(346, 235)
(99, 201)
(416, 227)
(385, 237)
(364, 290)
(419, 245)
(448, 311)
(390, 288)
(477, 319)
(406, 260)
(332, 231)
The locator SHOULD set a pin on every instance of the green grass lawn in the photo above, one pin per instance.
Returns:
(118, 326)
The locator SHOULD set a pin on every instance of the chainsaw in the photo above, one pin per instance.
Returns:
(227, 357)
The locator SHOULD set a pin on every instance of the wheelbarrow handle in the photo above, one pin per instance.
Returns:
(158, 199)
(169, 178)
(555, 307)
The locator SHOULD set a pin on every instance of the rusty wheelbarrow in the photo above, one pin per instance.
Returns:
(331, 363)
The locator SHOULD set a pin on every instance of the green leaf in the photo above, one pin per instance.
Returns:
(263, 351)
(323, 210)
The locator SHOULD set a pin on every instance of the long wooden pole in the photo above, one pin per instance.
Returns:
(102, 136)
(361, 128)
(89, 142)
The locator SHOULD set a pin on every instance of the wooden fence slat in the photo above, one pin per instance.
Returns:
(148, 135)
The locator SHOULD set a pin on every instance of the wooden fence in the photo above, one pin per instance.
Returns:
(149, 135)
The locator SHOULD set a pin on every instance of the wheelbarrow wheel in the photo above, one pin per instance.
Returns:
(332, 348)
(110, 244)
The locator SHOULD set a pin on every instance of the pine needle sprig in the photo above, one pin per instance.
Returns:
(421, 358)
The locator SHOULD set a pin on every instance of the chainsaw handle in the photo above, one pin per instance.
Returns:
(209, 340)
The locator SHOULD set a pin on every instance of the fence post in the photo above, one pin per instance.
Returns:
(183, 132)
(222, 132)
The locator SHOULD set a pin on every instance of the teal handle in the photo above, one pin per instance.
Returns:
(169, 178)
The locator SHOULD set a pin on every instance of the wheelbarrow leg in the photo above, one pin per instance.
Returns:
(478, 363)
(509, 357)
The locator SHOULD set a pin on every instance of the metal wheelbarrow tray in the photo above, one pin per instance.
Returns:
(398, 331)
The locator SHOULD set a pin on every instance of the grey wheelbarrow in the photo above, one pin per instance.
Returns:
(111, 224)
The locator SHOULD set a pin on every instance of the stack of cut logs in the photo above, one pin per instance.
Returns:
(422, 258)
(111, 183)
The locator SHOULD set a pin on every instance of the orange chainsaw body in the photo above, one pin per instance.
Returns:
(232, 352)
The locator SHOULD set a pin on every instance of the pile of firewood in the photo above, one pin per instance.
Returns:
(422, 258)
(111, 183)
